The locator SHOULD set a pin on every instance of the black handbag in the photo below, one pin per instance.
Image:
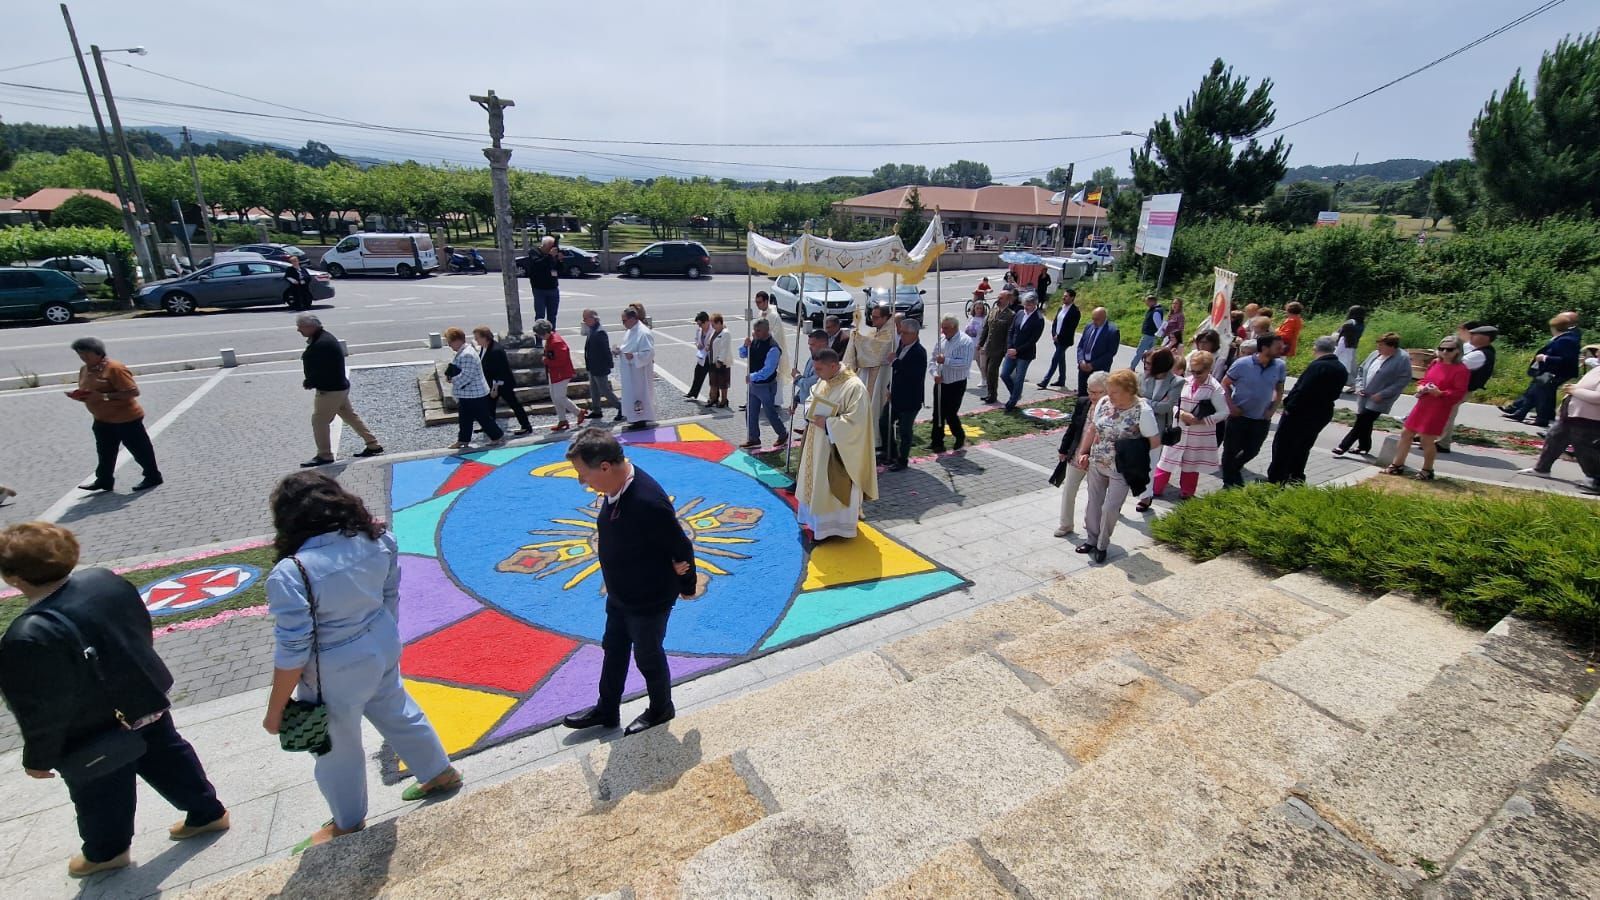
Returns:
(110, 750)
(1205, 409)
(304, 728)
(1171, 436)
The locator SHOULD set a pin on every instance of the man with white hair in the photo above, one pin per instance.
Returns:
(544, 273)
(1307, 409)
(323, 366)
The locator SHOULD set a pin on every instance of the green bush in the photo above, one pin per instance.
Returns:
(235, 233)
(1483, 557)
(86, 211)
(23, 244)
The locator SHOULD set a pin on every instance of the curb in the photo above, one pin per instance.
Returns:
(210, 362)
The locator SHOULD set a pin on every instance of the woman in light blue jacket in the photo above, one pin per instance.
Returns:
(1379, 382)
(328, 542)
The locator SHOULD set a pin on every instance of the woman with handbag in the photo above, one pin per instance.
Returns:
(1161, 389)
(1116, 422)
(79, 670)
(334, 598)
(1199, 413)
(1068, 474)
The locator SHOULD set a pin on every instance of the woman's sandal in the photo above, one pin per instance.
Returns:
(1424, 475)
(312, 841)
(1143, 505)
(1394, 470)
(419, 790)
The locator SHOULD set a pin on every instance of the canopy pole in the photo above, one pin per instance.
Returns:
(799, 319)
(938, 325)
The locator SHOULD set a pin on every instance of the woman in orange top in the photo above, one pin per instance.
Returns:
(1290, 329)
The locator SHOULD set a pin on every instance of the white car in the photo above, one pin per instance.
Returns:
(85, 270)
(821, 295)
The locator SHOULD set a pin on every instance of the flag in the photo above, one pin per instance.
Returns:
(1095, 197)
(1078, 197)
(1058, 196)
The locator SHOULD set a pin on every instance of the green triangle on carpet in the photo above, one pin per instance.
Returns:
(415, 525)
(818, 612)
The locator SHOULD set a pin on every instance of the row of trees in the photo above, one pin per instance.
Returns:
(449, 197)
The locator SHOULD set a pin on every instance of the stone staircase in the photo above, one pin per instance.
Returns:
(1146, 729)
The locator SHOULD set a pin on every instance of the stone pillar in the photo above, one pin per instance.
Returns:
(499, 162)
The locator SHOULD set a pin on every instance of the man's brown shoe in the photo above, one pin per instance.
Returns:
(182, 830)
(80, 867)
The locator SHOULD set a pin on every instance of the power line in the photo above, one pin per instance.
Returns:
(39, 63)
(1541, 10)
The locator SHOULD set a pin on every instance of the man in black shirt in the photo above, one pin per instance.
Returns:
(544, 274)
(1307, 409)
(647, 563)
(323, 364)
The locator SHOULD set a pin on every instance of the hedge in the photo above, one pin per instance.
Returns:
(24, 244)
(1483, 557)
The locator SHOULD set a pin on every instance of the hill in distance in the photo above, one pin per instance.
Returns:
(1388, 170)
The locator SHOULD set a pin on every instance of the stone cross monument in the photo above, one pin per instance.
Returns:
(499, 162)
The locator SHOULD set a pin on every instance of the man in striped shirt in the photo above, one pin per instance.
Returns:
(952, 362)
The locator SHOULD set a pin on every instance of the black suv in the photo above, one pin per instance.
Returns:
(667, 258)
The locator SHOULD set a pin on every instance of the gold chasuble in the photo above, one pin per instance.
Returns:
(868, 354)
(837, 469)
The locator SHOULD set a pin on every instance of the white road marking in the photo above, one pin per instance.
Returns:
(71, 498)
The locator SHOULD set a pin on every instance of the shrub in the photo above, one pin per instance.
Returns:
(85, 210)
(22, 244)
(1483, 557)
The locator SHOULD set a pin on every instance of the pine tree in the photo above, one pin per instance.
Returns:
(1194, 151)
(1537, 153)
(911, 224)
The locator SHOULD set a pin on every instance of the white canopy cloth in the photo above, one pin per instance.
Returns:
(851, 262)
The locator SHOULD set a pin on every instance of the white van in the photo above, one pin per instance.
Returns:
(405, 255)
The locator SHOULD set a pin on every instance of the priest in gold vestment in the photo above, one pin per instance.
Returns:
(837, 469)
(868, 355)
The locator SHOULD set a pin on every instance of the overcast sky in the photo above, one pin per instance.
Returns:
(821, 71)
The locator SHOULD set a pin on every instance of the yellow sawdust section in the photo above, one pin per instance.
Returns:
(562, 469)
(869, 555)
(459, 715)
(696, 433)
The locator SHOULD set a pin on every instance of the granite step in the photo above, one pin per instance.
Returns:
(514, 811)
(1408, 801)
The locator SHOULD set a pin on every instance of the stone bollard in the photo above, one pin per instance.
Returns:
(344, 348)
(1387, 450)
(435, 340)
(229, 358)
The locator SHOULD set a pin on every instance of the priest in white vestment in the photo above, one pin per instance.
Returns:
(837, 470)
(869, 355)
(636, 364)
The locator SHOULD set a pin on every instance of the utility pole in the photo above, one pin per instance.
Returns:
(141, 252)
(1066, 199)
(499, 162)
(127, 162)
(199, 195)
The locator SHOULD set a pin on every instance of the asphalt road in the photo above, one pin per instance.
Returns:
(372, 313)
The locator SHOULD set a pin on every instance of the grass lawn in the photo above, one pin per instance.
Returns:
(261, 558)
(1406, 225)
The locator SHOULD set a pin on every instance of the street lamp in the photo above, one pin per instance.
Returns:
(147, 224)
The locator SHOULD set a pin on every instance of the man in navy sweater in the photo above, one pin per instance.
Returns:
(647, 563)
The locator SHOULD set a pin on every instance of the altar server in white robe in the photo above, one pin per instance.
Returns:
(636, 357)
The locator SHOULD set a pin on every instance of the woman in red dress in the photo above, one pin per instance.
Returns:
(1444, 385)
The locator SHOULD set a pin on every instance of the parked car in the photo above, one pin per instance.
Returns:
(279, 252)
(34, 292)
(821, 295)
(907, 300)
(85, 270)
(227, 285)
(575, 263)
(406, 255)
(667, 258)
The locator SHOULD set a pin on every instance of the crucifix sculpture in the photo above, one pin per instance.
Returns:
(497, 116)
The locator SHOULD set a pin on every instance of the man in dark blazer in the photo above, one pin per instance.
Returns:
(907, 393)
(1063, 331)
(1307, 409)
(1022, 347)
(1554, 364)
(838, 338)
(647, 563)
(1097, 348)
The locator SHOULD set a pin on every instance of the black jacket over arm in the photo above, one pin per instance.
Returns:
(907, 389)
(497, 367)
(640, 539)
(52, 690)
(323, 363)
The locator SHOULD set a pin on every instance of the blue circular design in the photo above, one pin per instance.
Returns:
(197, 588)
(508, 510)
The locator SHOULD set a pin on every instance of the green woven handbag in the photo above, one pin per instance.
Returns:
(305, 722)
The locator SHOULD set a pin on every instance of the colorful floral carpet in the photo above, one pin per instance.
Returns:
(501, 596)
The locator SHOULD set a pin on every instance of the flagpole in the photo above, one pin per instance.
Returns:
(799, 319)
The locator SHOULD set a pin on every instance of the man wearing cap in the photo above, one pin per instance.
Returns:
(1479, 360)
(323, 366)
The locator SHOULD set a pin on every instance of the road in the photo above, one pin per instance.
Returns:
(373, 314)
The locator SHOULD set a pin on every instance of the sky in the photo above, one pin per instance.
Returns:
(746, 71)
